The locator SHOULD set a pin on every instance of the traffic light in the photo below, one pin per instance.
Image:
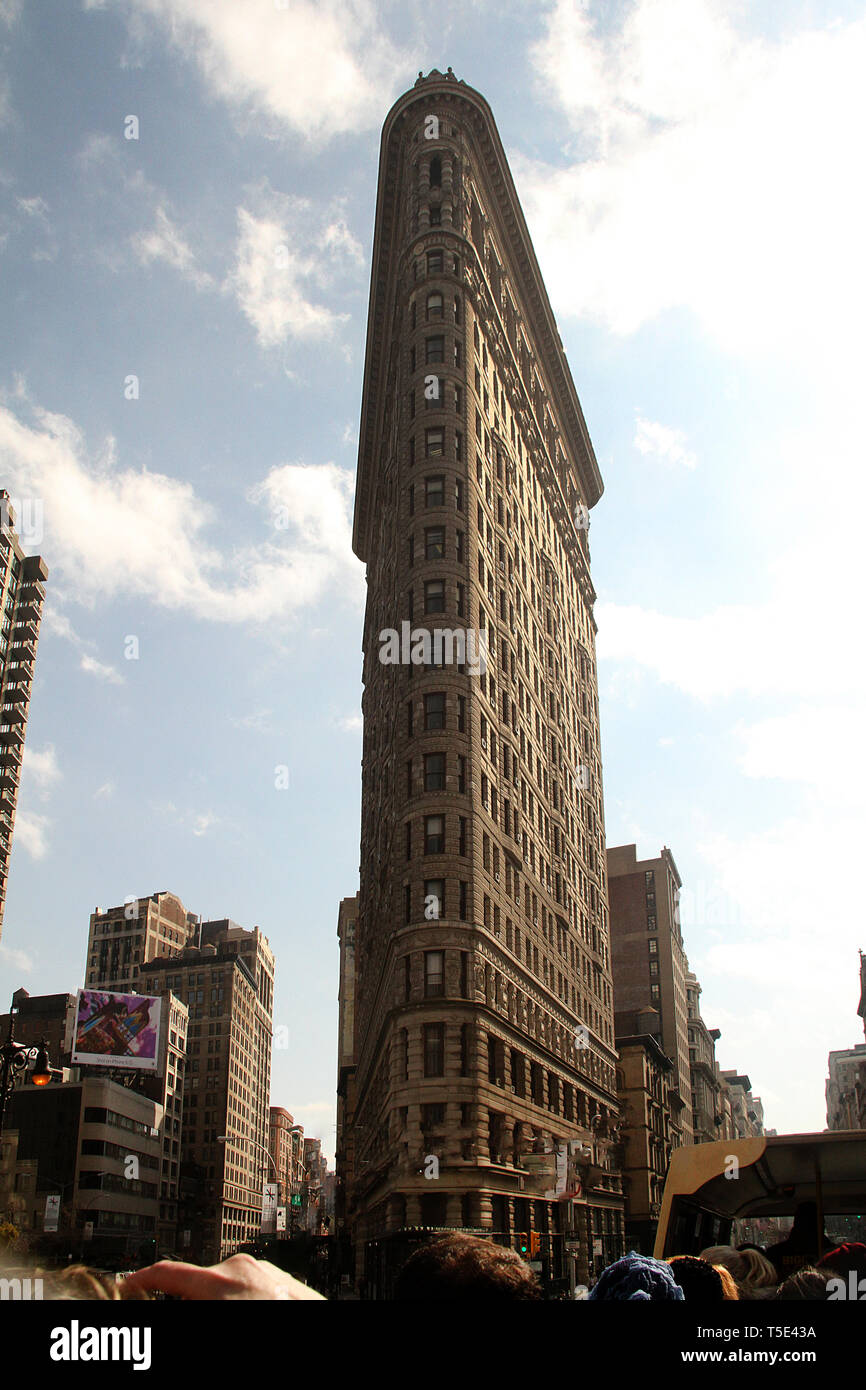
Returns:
(522, 1238)
(534, 1245)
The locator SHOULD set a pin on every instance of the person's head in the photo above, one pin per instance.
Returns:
(807, 1283)
(845, 1258)
(463, 1268)
(726, 1255)
(749, 1266)
(698, 1280)
(760, 1274)
(805, 1220)
(730, 1292)
(637, 1278)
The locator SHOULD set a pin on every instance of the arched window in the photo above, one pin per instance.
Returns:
(434, 306)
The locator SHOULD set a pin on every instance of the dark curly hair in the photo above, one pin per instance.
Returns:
(458, 1268)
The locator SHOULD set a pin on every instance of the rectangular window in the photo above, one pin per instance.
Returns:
(463, 897)
(434, 596)
(434, 710)
(434, 974)
(434, 1049)
(435, 490)
(461, 714)
(434, 543)
(434, 899)
(435, 262)
(434, 440)
(435, 348)
(434, 835)
(434, 772)
(462, 840)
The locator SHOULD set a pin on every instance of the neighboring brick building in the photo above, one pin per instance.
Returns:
(22, 594)
(706, 1084)
(281, 1146)
(483, 1008)
(644, 1077)
(344, 1160)
(649, 962)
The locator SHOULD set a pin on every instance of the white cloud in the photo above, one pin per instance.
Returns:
(105, 792)
(320, 69)
(41, 766)
(164, 242)
(202, 823)
(350, 723)
(35, 207)
(19, 960)
(101, 669)
(258, 721)
(282, 254)
(663, 443)
(119, 531)
(691, 147)
(31, 833)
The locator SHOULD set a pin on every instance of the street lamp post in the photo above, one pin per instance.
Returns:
(229, 1138)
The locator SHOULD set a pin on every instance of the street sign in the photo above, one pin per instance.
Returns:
(296, 1199)
(270, 1197)
(52, 1212)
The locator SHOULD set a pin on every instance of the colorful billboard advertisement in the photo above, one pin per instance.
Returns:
(117, 1030)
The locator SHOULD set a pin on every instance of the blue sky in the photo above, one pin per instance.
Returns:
(691, 175)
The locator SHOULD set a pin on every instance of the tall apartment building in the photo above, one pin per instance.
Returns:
(22, 594)
(217, 981)
(649, 962)
(483, 1008)
(123, 939)
(227, 984)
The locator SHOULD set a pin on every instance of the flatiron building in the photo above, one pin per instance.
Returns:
(483, 1094)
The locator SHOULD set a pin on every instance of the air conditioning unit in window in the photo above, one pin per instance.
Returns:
(484, 743)
(496, 876)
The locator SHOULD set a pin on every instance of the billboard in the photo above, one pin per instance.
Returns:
(117, 1030)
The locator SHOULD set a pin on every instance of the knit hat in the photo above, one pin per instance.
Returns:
(851, 1255)
(637, 1277)
(698, 1280)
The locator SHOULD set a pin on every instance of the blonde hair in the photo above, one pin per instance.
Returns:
(731, 1292)
(761, 1274)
